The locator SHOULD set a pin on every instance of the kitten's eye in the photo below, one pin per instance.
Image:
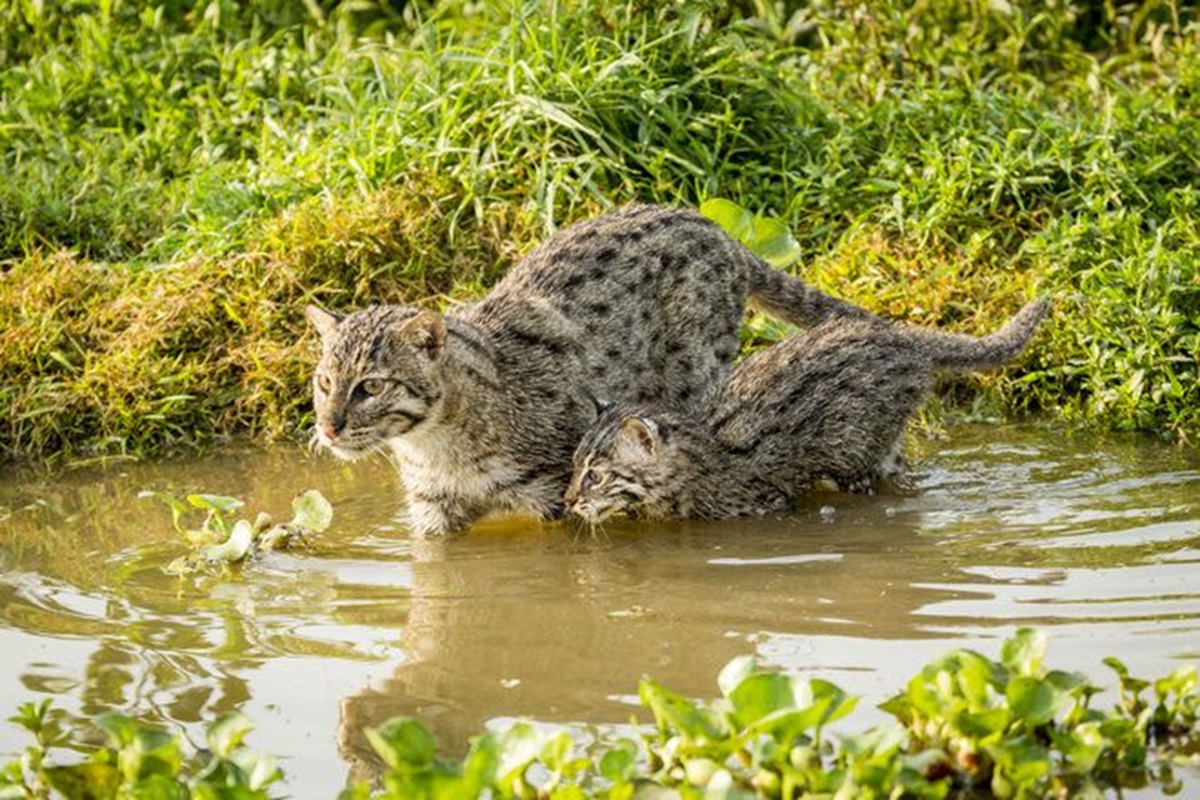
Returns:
(373, 386)
(323, 383)
(588, 481)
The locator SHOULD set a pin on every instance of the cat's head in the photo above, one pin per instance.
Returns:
(378, 377)
(626, 463)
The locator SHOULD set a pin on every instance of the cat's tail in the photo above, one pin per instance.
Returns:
(787, 298)
(960, 353)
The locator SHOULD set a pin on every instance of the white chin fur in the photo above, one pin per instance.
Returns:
(340, 452)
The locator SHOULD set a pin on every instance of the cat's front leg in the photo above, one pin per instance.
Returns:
(427, 517)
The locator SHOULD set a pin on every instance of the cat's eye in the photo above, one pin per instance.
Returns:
(373, 386)
(588, 481)
(323, 383)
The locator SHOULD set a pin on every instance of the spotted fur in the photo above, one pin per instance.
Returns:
(831, 403)
(482, 408)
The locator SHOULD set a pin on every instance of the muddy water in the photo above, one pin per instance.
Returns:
(1096, 541)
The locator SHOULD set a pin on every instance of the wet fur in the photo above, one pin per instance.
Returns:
(484, 406)
(831, 403)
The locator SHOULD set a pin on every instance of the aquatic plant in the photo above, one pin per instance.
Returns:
(965, 726)
(220, 539)
(137, 761)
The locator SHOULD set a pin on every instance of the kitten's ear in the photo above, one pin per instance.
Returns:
(427, 330)
(324, 321)
(641, 433)
(602, 405)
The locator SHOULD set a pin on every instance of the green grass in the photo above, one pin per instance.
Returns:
(179, 180)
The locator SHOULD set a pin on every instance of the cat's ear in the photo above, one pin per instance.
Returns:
(602, 405)
(427, 330)
(324, 321)
(641, 434)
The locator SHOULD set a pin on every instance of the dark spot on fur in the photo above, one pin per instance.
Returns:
(606, 254)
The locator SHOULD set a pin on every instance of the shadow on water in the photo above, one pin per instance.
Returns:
(1095, 540)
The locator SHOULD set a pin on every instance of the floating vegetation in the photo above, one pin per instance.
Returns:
(221, 540)
(966, 726)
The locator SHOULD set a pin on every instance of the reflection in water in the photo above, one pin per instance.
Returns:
(1097, 541)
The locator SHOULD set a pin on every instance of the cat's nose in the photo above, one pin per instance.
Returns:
(331, 429)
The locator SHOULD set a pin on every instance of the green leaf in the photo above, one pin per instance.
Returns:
(764, 693)
(737, 221)
(120, 729)
(1082, 746)
(178, 508)
(1023, 653)
(734, 673)
(215, 502)
(773, 242)
(1032, 700)
(518, 747)
(234, 548)
(675, 713)
(227, 732)
(618, 764)
(160, 787)
(87, 781)
(312, 511)
(402, 743)
(1021, 761)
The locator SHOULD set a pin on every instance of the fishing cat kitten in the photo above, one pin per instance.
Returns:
(828, 403)
(482, 407)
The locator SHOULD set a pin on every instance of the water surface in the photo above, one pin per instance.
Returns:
(1095, 540)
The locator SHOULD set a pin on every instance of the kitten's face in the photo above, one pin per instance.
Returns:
(378, 377)
(617, 466)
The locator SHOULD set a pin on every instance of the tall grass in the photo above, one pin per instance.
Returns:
(938, 161)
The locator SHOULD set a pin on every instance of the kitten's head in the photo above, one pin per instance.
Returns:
(378, 377)
(627, 463)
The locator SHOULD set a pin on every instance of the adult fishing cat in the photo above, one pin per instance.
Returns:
(828, 403)
(482, 408)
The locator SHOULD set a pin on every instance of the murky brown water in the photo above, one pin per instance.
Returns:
(1096, 541)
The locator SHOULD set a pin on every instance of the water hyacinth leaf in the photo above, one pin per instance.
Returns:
(619, 764)
(312, 511)
(674, 712)
(402, 743)
(1032, 700)
(734, 673)
(738, 222)
(765, 693)
(227, 733)
(178, 508)
(162, 787)
(519, 746)
(1181, 682)
(87, 780)
(1022, 654)
(1082, 746)
(840, 703)
(120, 729)
(982, 723)
(1021, 761)
(235, 548)
(215, 502)
(773, 242)
(260, 769)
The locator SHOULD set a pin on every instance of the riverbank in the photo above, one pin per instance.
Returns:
(180, 182)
